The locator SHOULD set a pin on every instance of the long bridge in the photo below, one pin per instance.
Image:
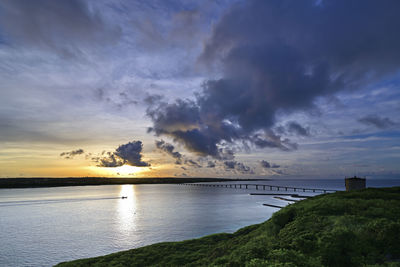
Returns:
(265, 187)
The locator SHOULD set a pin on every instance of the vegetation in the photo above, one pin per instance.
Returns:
(360, 228)
(51, 182)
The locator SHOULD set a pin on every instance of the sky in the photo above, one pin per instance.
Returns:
(157, 88)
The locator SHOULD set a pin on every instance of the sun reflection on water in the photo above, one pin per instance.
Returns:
(127, 208)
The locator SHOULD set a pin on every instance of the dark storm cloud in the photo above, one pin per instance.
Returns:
(63, 26)
(72, 153)
(179, 158)
(131, 153)
(272, 140)
(110, 161)
(169, 149)
(127, 154)
(230, 164)
(265, 164)
(378, 122)
(192, 163)
(201, 132)
(210, 164)
(238, 166)
(295, 128)
(280, 56)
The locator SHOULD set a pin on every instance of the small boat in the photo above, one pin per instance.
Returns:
(124, 197)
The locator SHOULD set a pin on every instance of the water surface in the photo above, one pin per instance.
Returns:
(44, 226)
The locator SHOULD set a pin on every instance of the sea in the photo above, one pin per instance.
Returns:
(45, 226)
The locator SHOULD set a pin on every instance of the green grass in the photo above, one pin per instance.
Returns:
(360, 228)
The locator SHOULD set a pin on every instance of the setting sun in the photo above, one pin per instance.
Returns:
(125, 170)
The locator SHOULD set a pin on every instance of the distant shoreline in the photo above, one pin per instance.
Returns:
(56, 182)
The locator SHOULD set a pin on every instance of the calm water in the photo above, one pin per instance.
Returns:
(44, 226)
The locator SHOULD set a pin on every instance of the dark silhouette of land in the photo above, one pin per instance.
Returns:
(51, 182)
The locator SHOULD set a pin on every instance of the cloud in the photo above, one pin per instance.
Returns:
(378, 122)
(61, 26)
(278, 172)
(110, 161)
(169, 149)
(295, 128)
(192, 163)
(265, 164)
(72, 153)
(203, 133)
(270, 139)
(280, 56)
(127, 154)
(238, 166)
(210, 164)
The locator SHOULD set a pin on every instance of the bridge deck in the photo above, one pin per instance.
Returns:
(265, 187)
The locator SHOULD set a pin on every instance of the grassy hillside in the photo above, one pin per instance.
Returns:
(360, 228)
